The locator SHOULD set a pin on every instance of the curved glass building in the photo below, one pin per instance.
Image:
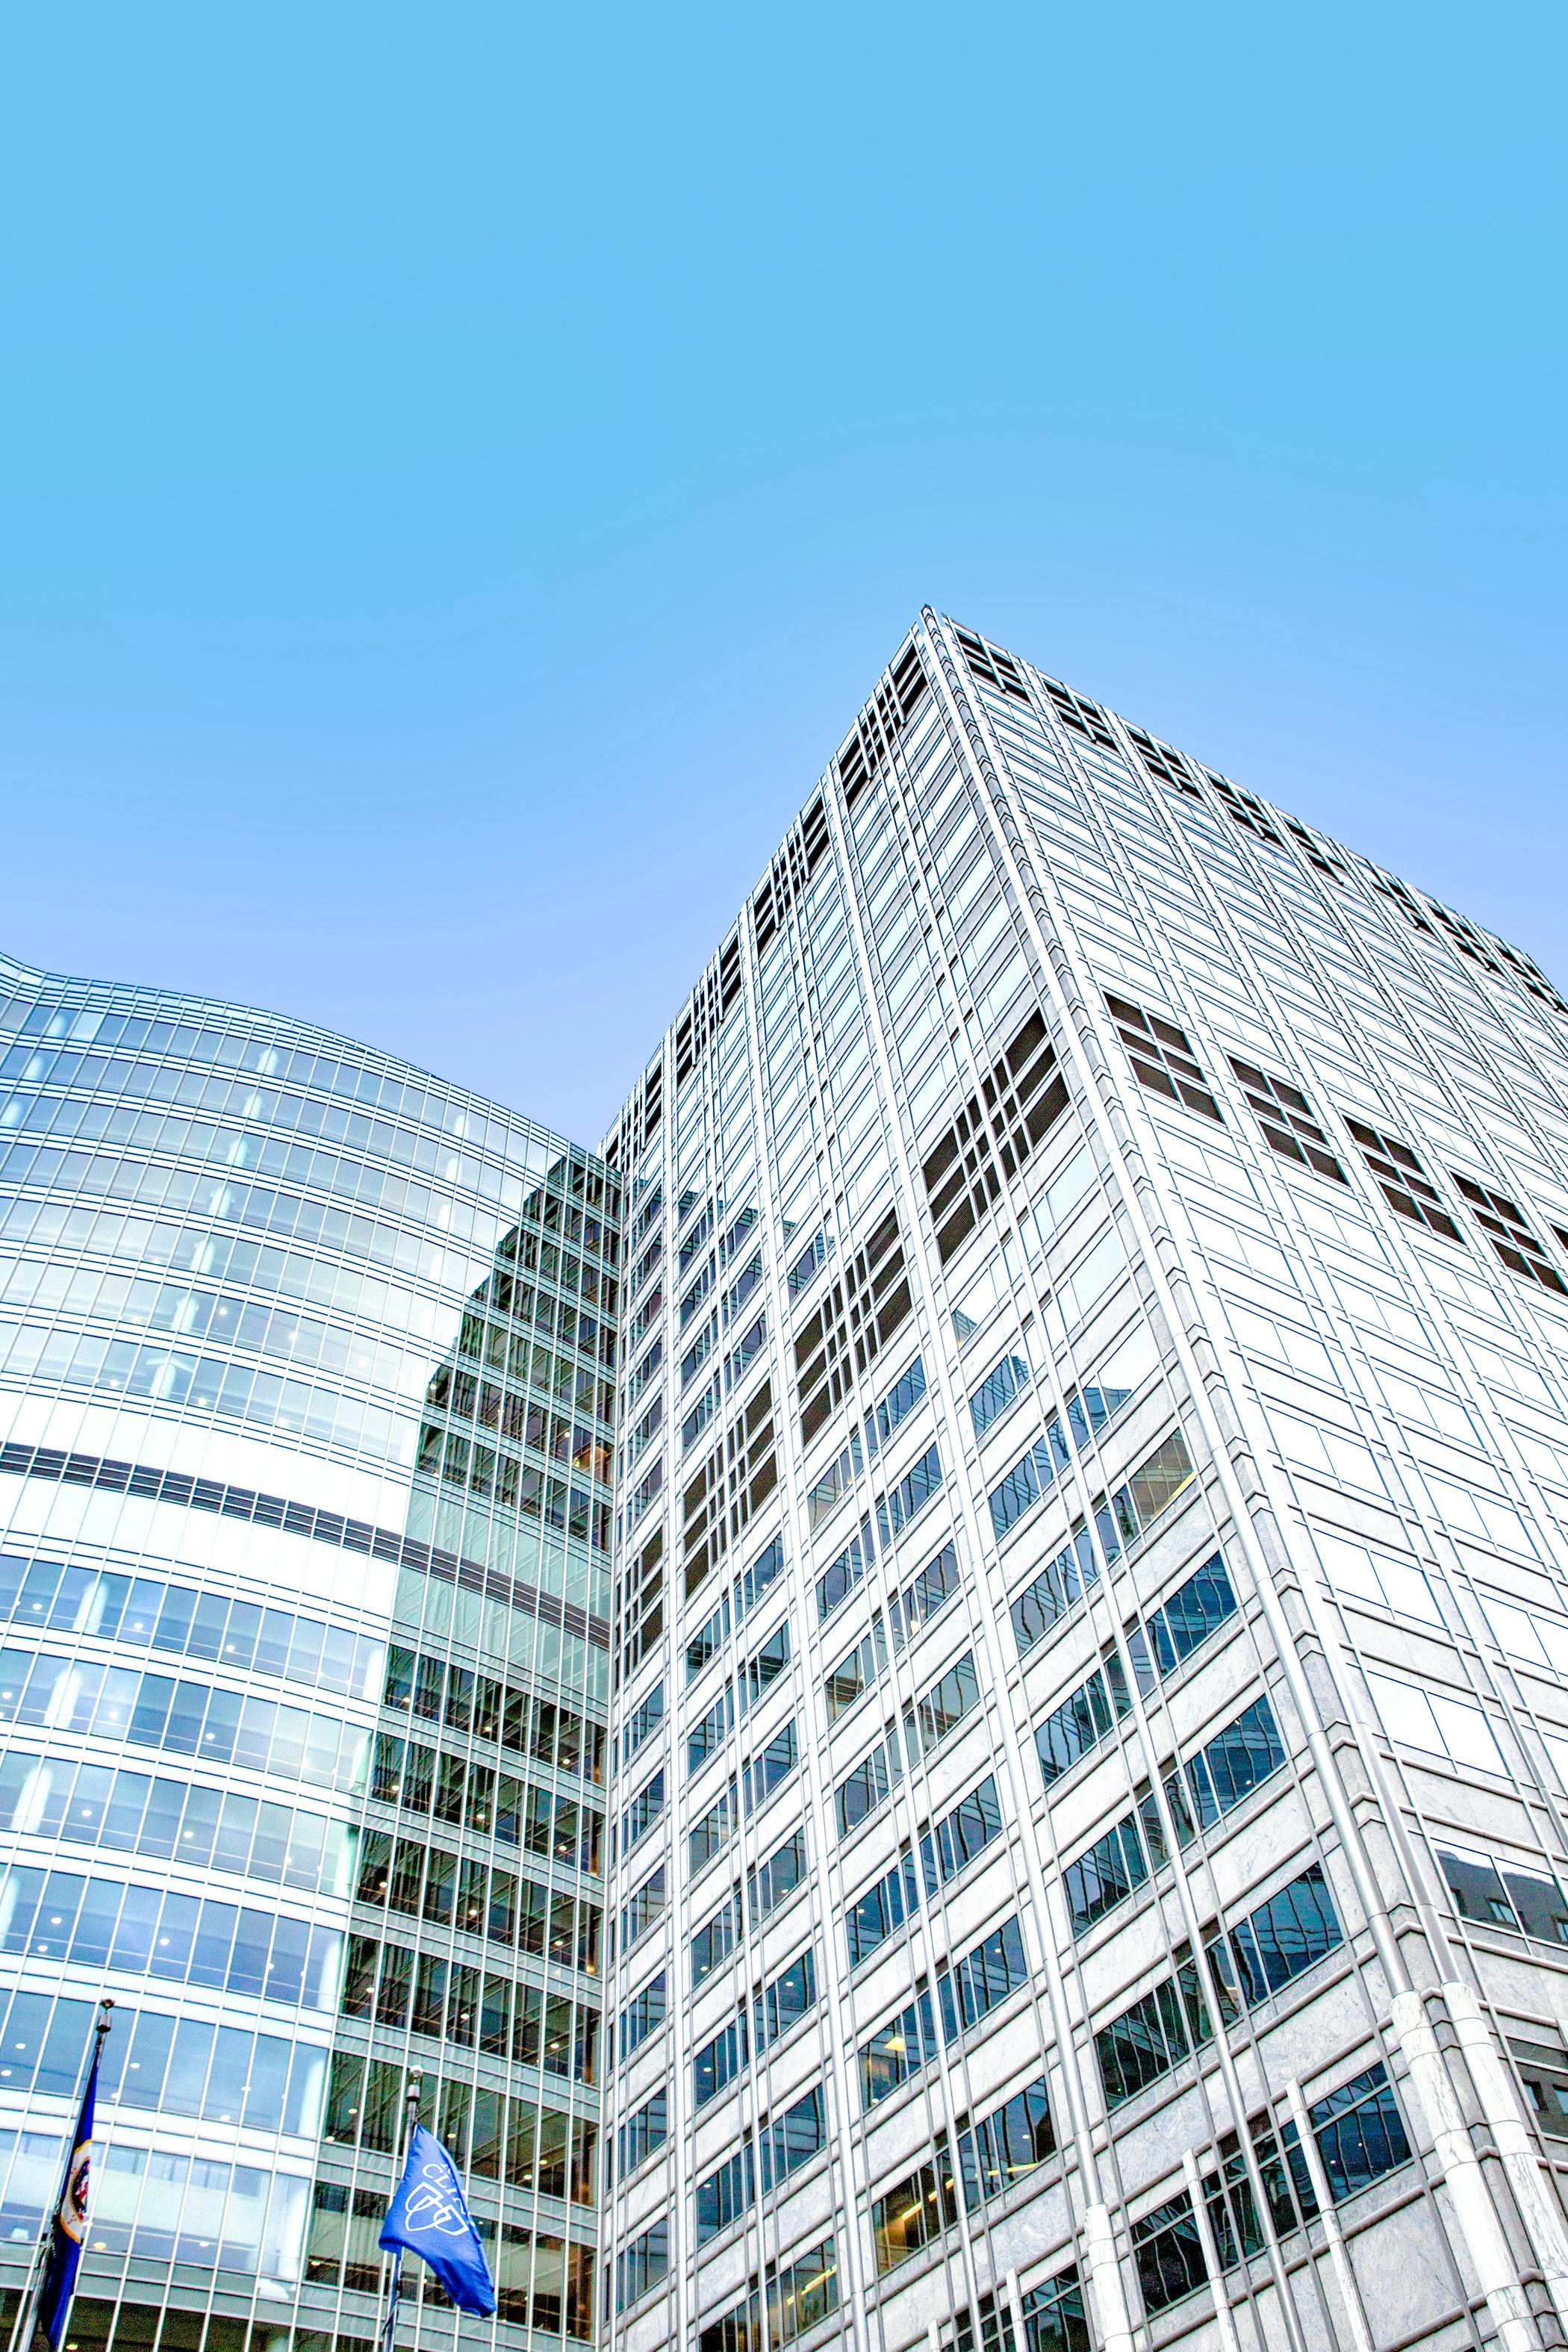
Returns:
(981, 1602)
(306, 1384)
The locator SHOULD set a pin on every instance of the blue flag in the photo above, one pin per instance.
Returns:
(429, 2215)
(69, 2220)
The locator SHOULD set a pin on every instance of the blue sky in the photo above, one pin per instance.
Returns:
(462, 469)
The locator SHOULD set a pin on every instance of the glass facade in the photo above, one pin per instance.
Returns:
(930, 1699)
(306, 1418)
(1090, 1618)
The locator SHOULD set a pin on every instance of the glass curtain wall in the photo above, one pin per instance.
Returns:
(1091, 1620)
(305, 1458)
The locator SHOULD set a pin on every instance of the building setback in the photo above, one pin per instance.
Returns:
(1087, 1854)
(931, 1697)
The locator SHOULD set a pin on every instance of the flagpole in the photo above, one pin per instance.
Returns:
(27, 2315)
(410, 2117)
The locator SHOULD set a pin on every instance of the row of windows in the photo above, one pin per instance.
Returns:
(1119, 1518)
(1219, 1777)
(386, 1314)
(844, 1572)
(450, 2001)
(525, 1420)
(1170, 1634)
(639, 1607)
(1499, 1893)
(940, 1709)
(1161, 1060)
(470, 1795)
(769, 1883)
(989, 2321)
(734, 1608)
(1401, 1180)
(782, 2143)
(102, 1923)
(1089, 1409)
(1054, 1589)
(774, 2011)
(176, 2067)
(159, 1045)
(909, 1611)
(902, 1503)
(164, 2207)
(965, 1992)
(823, 1497)
(1014, 2140)
(642, 1910)
(1025, 1095)
(1247, 1964)
(159, 1189)
(641, 2265)
(732, 1487)
(995, 2155)
(1360, 2139)
(866, 1307)
(796, 2297)
(211, 1829)
(760, 1776)
(945, 1849)
(142, 1480)
(483, 1471)
(641, 1322)
(300, 1340)
(426, 1881)
(640, 1815)
(742, 1691)
(1285, 1117)
(643, 2132)
(217, 1726)
(541, 2281)
(1162, 1057)
(43, 1353)
(145, 1612)
(730, 1375)
(101, 1129)
(514, 2140)
(1053, 2317)
(643, 2015)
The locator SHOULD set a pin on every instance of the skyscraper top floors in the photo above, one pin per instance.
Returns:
(1090, 1610)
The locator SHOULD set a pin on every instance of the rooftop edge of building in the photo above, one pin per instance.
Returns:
(90, 1001)
(891, 707)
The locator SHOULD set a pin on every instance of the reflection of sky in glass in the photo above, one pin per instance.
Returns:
(253, 1243)
(163, 2205)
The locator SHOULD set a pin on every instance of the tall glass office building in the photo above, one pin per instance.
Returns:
(968, 1627)
(1089, 1846)
(306, 1393)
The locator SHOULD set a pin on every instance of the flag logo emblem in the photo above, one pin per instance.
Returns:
(432, 2203)
(430, 2216)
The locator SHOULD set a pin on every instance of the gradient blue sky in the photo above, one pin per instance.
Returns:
(461, 469)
